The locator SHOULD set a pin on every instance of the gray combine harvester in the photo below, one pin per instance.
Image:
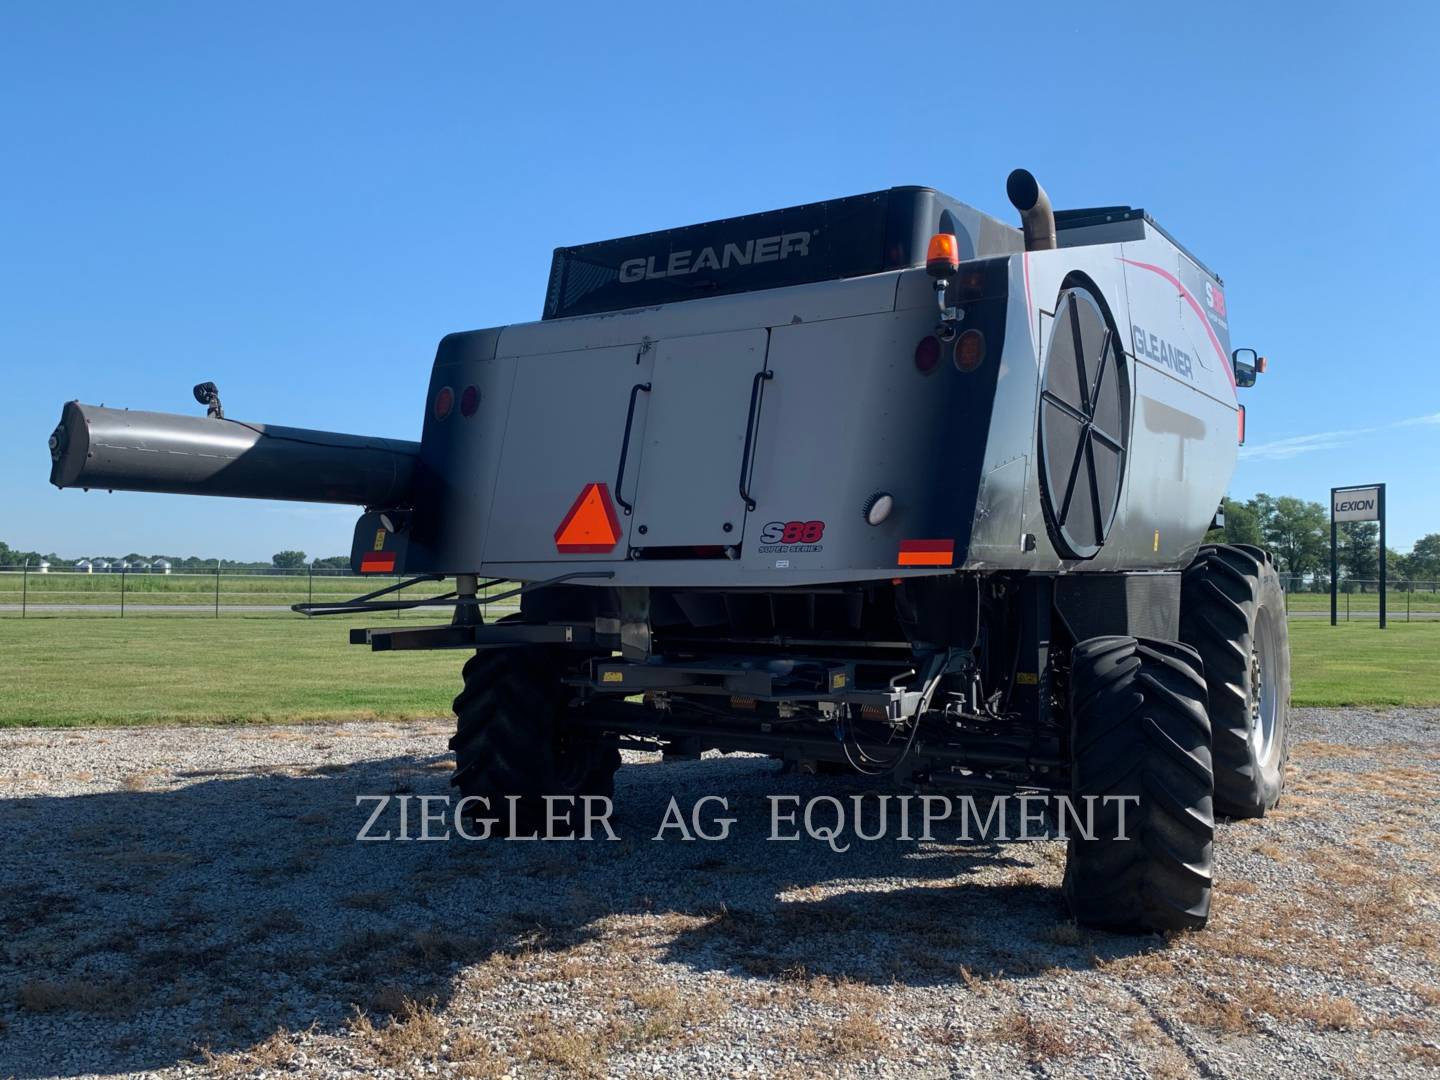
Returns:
(878, 484)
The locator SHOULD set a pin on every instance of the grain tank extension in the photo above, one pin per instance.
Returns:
(880, 485)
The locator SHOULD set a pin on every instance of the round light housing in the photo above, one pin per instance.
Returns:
(970, 350)
(469, 401)
(927, 354)
(444, 402)
(878, 507)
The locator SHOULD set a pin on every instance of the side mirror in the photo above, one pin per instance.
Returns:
(1247, 364)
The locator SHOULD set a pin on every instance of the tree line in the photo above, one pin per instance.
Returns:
(281, 560)
(1297, 533)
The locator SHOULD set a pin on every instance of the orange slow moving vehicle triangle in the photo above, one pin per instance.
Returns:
(590, 527)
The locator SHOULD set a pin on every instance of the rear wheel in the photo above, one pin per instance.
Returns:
(513, 740)
(1140, 742)
(1232, 612)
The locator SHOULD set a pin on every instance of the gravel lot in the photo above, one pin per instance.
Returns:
(193, 901)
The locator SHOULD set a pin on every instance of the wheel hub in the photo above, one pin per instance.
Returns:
(1262, 690)
(1256, 688)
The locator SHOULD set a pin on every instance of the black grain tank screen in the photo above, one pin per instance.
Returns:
(823, 241)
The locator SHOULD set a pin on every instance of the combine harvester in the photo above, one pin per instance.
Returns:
(878, 484)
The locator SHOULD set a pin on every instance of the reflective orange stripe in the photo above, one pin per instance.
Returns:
(926, 552)
(377, 562)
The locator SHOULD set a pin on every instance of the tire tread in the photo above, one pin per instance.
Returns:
(1140, 727)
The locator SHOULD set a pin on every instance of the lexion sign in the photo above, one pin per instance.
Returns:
(1356, 504)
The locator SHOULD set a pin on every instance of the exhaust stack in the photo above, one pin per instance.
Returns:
(121, 450)
(1036, 216)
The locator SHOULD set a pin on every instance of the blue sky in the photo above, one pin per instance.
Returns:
(298, 201)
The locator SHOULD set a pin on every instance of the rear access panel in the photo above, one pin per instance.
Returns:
(690, 452)
(567, 419)
(846, 416)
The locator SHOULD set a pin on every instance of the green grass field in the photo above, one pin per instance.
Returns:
(1359, 664)
(80, 670)
(73, 671)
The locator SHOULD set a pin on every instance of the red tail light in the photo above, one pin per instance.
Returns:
(444, 402)
(927, 354)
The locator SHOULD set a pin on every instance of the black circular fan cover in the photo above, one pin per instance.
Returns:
(1084, 426)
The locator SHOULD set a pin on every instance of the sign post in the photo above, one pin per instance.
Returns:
(1365, 503)
(1334, 563)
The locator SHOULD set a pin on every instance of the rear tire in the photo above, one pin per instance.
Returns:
(1232, 612)
(1139, 731)
(512, 740)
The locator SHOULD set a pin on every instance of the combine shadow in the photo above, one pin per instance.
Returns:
(144, 927)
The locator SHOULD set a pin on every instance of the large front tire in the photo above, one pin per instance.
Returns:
(513, 745)
(1232, 612)
(1140, 741)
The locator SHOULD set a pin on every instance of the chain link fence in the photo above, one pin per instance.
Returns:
(27, 592)
(31, 592)
(1308, 596)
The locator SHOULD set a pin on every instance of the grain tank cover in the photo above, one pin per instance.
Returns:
(823, 241)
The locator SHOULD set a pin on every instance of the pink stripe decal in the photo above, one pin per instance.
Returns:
(1194, 304)
(1029, 309)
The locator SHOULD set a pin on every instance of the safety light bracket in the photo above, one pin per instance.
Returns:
(942, 260)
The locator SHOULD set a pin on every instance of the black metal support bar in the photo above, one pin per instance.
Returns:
(629, 720)
(1031, 692)
(475, 636)
(360, 607)
(1334, 562)
(366, 604)
(985, 784)
(695, 641)
(388, 589)
(1380, 508)
(547, 582)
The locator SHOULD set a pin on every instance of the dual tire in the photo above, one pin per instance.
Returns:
(1180, 733)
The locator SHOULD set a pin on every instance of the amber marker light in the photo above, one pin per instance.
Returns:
(943, 256)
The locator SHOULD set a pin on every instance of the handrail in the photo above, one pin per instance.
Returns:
(625, 445)
(760, 377)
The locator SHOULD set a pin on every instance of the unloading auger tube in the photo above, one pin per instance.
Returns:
(126, 450)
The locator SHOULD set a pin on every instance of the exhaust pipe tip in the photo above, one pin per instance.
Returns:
(1036, 216)
(1023, 189)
